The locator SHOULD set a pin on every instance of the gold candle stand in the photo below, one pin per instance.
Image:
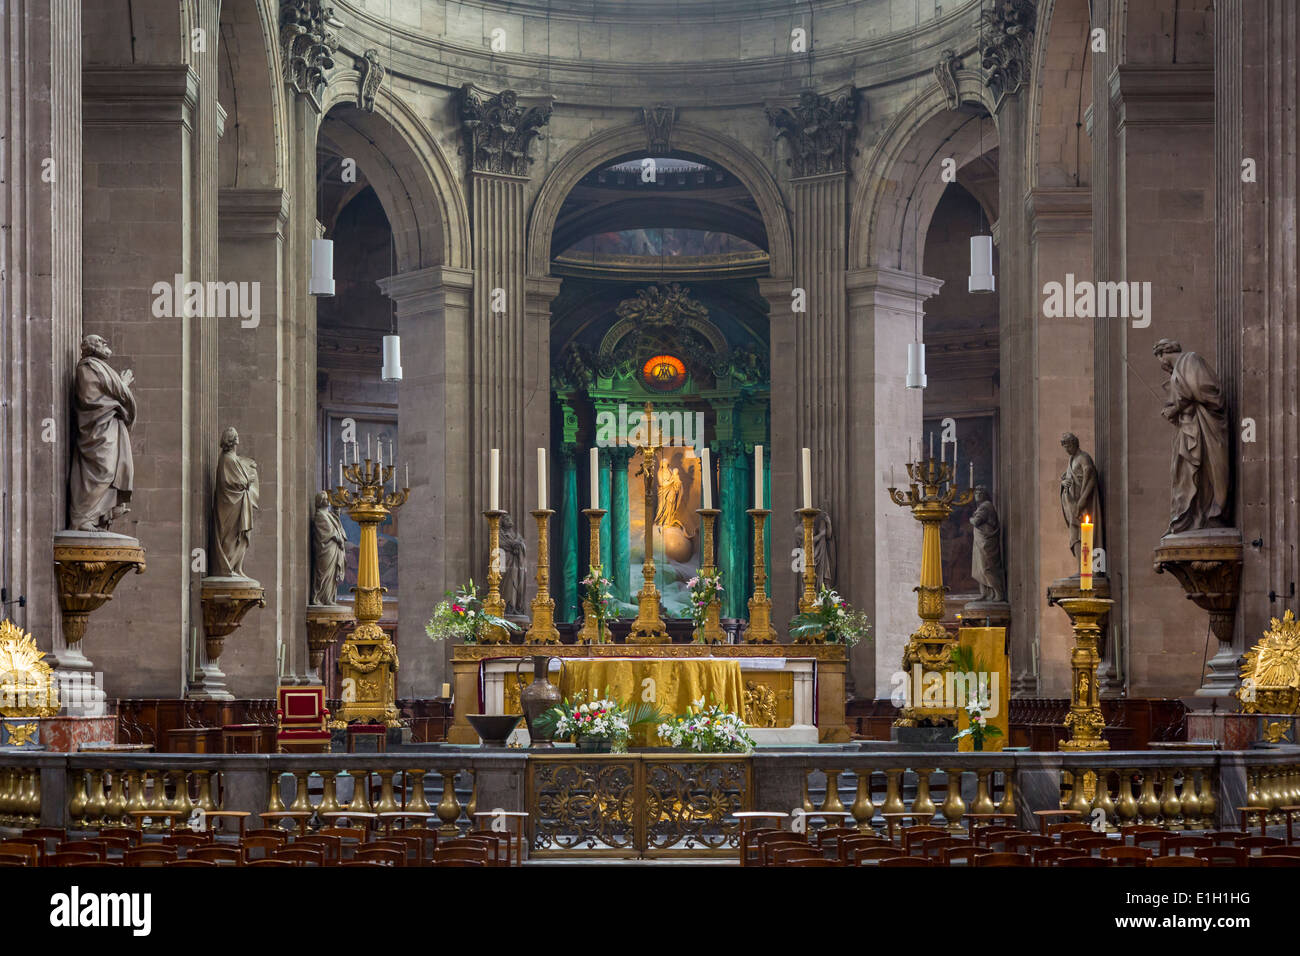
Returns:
(542, 630)
(929, 645)
(760, 629)
(591, 633)
(493, 603)
(1085, 721)
(711, 631)
(808, 600)
(368, 660)
(648, 628)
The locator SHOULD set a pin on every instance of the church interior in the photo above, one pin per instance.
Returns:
(848, 433)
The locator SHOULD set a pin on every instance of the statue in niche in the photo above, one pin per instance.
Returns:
(103, 471)
(823, 556)
(1199, 469)
(328, 546)
(670, 496)
(514, 551)
(236, 495)
(986, 565)
(1080, 493)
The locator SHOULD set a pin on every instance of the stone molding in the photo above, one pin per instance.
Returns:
(140, 95)
(1167, 95)
(428, 289)
(256, 213)
(1058, 211)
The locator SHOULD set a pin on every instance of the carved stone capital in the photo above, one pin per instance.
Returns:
(821, 130)
(88, 567)
(499, 130)
(308, 39)
(1006, 45)
(372, 74)
(945, 71)
(225, 602)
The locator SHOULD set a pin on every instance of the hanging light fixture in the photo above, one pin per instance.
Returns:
(916, 365)
(981, 249)
(392, 358)
(322, 267)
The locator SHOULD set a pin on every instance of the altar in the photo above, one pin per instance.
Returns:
(779, 688)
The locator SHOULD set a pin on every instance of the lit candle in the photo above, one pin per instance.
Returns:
(706, 479)
(541, 479)
(758, 477)
(494, 498)
(807, 478)
(1085, 554)
(595, 478)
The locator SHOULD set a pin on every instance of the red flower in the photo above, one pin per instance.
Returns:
(458, 609)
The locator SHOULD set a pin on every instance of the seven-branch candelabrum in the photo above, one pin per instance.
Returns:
(931, 494)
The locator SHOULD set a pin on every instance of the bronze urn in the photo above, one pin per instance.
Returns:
(538, 697)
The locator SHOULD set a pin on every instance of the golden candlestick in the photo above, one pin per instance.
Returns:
(710, 632)
(493, 603)
(760, 629)
(1085, 721)
(591, 633)
(542, 630)
(648, 628)
(929, 645)
(808, 600)
(368, 660)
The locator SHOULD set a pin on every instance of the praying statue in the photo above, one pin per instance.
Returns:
(328, 546)
(514, 554)
(235, 494)
(986, 565)
(1080, 493)
(670, 496)
(103, 471)
(1199, 469)
(823, 556)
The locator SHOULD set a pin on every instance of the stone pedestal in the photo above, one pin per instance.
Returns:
(225, 602)
(88, 566)
(1207, 563)
(323, 625)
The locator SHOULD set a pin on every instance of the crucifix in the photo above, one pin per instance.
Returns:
(648, 628)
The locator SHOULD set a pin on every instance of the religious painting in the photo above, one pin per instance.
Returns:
(677, 531)
(664, 373)
(370, 432)
(976, 452)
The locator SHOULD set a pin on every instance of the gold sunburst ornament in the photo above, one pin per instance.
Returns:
(1270, 673)
(27, 687)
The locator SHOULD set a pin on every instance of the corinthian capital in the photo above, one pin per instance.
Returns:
(1006, 44)
(820, 130)
(499, 131)
(308, 39)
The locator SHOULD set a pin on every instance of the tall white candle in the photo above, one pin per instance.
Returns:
(494, 497)
(541, 479)
(368, 455)
(807, 478)
(595, 478)
(706, 480)
(407, 482)
(340, 472)
(971, 482)
(758, 477)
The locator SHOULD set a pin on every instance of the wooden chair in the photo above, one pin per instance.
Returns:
(784, 855)
(29, 854)
(130, 834)
(861, 841)
(149, 855)
(275, 833)
(967, 852)
(301, 855)
(933, 846)
(1003, 859)
(1045, 815)
(1223, 855)
(300, 720)
(1155, 840)
(96, 847)
(227, 855)
(428, 838)
(987, 836)
(1082, 861)
(501, 854)
(332, 845)
(1293, 851)
(1130, 833)
(812, 861)
(1274, 861)
(409, 848)
(1087, 844)
(67, 859)
(1222, 837)
(270, 861)
(460, 856)
(267, 844)
(1026, 842)
(1049, 855)
(1174, 845)
(782, 839)
(1176, 861)
(187, 840)
(54, 833)
(907, 861)
(83, 860)
(389, 856)
(35, 843)
(1259, 842)
(828, 836)
(188, 861)
(366, 863)
(874, 854)
(911, 835)
(1126, 855)
(1059, 830)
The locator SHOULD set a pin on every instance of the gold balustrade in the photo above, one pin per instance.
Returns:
(413, 797)
(922, 809)
(1171, 796)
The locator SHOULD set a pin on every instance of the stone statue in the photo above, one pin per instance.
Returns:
(328, 546)
(103, 471)
(235, 495)
(986, 565)
(1080, 493)
(823, 556)
(670, 496)
(514, 552)
(1199, 469)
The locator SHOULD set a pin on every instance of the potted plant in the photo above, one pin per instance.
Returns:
(462, 616)
(710, 730)
(597, 726)
(597, 595)
(979, 728)
(704, 589)
(832, 618)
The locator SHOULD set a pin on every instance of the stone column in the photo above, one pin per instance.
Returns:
(40, 258)
(573, 525)
(433, 432)
(879, 557)
(784, 438)
(734, 534)
(620, 524)
(606, 550)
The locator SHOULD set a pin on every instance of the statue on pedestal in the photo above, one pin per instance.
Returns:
(328, 544)
(514, 551)
(1199, 469)
(986, 565)
(823, 556)
(1080, 493)
(236, 495)
(103, 471)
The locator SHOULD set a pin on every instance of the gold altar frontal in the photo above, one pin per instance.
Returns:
(682, 674)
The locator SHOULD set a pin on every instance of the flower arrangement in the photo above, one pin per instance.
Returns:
(603, 719)
(704, 589)
(462, 616)
(832, 617)
(711, 730)
(597, 594)
(979, 729)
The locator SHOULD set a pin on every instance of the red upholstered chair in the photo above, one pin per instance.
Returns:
(300, 720)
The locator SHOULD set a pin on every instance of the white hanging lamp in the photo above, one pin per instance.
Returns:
(392, 371)
(916, 365)
(981, 277)
(322, 267)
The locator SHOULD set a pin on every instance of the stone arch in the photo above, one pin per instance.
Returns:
(611, 144)
(901, 185)
(254, 150)
(403, 161)
(1061, 90)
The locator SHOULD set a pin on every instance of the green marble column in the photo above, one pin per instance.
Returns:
(734, 531)
(565, 585)
(605, 551)
(620, 514)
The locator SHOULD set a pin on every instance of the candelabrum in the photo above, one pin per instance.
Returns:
(760, 629)
(1085, 721)
(932, 494)
(368, 660)
(493, 603)
(648, 628)
(542, 630)
(593, 631)
(710, 632)
(808, 600)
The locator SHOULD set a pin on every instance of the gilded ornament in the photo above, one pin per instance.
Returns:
(1270, 673)
(27, 686)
